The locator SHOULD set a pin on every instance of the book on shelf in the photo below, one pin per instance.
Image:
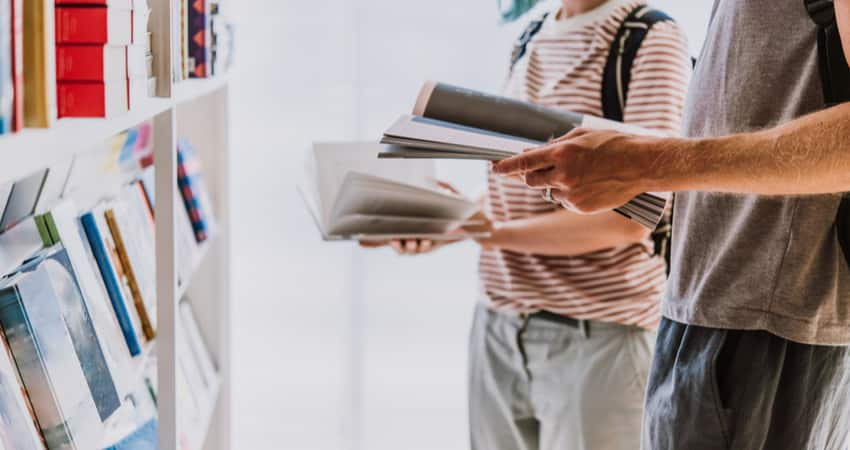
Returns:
(93, 24)
(5, 192)
(7, 80)
(32, 318)
(23, 199)
(55, 181)
(199, 38)
(190, 182)
(62, 226)
(17, 61)
(93, 99)
(138, 278)
(90, 350)
(96, 63)
(354, 196)
(207, 372)
(40, 109)
(135, 427)
(18, 427)
(450, 122)
(103, 251)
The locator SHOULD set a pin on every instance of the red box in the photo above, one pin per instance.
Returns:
(90, 62)
(94, 25)
(92, 99)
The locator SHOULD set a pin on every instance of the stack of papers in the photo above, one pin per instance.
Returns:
(354, 196)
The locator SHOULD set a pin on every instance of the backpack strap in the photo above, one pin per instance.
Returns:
(621, 58)
(835, 78)
(521, 44)
(615, 92)
(834, 72)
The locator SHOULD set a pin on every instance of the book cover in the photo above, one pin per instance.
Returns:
(64, 228)
(18, 64)
(199, 38)
(5, 191)
(136, 222)
(7, 84)
(93, 99)
(111, 282)
(23, 199)
(43, 349)
(193, 190)
(94, 25)
(91, 62)
(129, 271)
(83, 333)
(184, 39)
(18, 428)
(39, 64)
(199, 350)
(54, 185)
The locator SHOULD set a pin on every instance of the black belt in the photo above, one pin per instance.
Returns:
(559, 319)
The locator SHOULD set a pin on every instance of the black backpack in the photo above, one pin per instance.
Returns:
(835, 78)
(615, 84)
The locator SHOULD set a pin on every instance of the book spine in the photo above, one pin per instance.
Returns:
(81, 25)
(187, 187)
(80, 63)
(199, 39)
(17, 65)
(132, 280)
(82, 99)
(110, 280)
(44, 231)
(39, 61)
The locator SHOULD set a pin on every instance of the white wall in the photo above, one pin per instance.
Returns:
(338, 348)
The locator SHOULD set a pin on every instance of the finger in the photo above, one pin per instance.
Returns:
(541, 179)
(398, 246)
(540, 158)
(426, 245)
(373, 244)
(410, 246)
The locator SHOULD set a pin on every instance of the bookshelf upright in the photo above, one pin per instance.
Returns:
(198, 109)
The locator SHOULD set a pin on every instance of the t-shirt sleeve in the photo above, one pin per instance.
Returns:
(660, 76)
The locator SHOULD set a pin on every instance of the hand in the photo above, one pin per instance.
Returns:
(587, 170)
(480, 223)
(408, 246)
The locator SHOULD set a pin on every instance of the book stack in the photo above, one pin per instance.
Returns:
(78, 308)
(101, 56)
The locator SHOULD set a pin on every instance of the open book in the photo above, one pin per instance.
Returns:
(450, 122)
(354, 196)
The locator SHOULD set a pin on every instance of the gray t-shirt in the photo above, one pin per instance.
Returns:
(746, 261)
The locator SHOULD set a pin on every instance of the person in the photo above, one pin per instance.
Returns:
(561, 341)
(753, 351)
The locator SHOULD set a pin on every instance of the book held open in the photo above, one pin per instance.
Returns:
(354, 196)
(450, 122)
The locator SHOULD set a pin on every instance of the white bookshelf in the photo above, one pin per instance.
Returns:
(197, 109)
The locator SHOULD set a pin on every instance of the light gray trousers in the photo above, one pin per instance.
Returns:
(537, 384)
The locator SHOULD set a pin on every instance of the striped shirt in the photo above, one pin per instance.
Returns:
(563, 68)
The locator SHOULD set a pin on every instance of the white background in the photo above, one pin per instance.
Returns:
(336, 347)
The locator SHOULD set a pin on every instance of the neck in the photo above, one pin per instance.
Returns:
(575, 7)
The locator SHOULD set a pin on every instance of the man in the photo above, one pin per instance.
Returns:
(752, 352)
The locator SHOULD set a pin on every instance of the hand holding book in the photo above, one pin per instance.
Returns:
(449, 122)
(587, 170)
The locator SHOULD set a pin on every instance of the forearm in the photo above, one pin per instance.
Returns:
(810, 155)
(565, 233)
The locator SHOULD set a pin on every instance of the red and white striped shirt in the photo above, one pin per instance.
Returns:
(563, 68)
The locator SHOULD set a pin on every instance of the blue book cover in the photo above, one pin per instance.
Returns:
(82, 331)
(110, 281)
(33, 322)
(144, 438)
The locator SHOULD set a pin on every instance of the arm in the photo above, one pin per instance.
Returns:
(600, 170)
(565, 233)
